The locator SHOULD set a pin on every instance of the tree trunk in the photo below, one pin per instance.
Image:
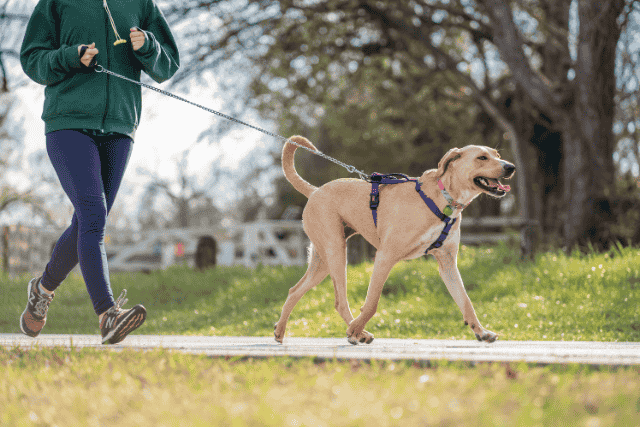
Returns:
(587, 136)
(578, 188)
(183, 213)
(582, 109)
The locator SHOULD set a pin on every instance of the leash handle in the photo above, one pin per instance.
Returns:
(93, 62)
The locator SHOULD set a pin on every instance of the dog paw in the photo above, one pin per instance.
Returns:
(487, 336)
(363, 337)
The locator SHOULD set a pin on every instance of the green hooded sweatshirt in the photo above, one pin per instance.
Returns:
(78, 97)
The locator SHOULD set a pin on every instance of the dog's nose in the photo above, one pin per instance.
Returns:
(509, 169)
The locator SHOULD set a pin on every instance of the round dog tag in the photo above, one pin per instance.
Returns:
(448, 210)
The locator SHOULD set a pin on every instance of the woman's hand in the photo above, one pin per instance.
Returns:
(137, 38)
(88, 54)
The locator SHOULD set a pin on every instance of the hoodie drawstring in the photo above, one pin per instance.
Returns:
(119, 40)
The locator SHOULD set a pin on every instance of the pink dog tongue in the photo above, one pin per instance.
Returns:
(495, 183)
(503, 187)
(492, 182)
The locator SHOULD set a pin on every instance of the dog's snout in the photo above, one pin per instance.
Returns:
(509, 169)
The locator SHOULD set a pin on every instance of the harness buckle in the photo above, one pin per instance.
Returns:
(376, 177)
(374, 201)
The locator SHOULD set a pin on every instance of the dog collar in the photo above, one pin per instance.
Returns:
(448, 210)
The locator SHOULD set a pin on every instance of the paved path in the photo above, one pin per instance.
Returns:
(609, 353)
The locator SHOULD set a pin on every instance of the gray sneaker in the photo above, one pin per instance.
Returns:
(116, 324)
(34, 316)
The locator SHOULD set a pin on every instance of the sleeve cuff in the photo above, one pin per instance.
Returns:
(72, 57)
(147, 43)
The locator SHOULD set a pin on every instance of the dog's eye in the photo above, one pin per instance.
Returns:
(483, 158)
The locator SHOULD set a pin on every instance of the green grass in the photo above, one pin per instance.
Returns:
(89, 387)
(554, 297)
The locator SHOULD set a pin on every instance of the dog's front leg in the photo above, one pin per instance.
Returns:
(448, 267)
(381, 269)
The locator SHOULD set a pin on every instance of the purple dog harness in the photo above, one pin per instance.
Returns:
(398, 178)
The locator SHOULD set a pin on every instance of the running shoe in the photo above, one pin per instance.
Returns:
(35, 315)
(117, 323)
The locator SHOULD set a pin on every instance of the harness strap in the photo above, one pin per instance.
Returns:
(376, 180)
(374, 201)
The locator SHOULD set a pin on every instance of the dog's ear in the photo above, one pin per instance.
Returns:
(453, 154)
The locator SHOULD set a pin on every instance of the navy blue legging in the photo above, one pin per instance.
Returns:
(90, 169)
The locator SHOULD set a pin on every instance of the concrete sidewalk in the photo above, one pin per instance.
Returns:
(608, 353)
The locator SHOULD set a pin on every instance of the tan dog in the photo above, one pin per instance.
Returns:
(406, 227)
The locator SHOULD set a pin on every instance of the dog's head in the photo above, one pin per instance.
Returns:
(477, 168)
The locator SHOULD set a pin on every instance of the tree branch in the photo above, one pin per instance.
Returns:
(478, 95)
(509, 43)
(483, 29)
(16, 16)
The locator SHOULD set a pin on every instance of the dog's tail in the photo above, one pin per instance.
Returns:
(288, 165)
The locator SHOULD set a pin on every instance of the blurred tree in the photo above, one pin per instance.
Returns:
(345, 100)
(37, 196)
(8, 142)
(189, 201)
(11, 154)
(564, 67)
(10, 146)
(627, 101)
(14, 15)
(256, 182)
(376, 83)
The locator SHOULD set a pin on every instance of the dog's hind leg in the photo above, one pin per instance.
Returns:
(337, 262)
(316, 272)
(381, 268)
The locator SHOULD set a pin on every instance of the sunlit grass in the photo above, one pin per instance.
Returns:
(160, 388)
(556, 296)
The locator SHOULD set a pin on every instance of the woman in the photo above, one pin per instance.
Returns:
(90, 120)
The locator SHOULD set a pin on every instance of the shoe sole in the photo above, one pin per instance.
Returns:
(28, 332)
(134, 320)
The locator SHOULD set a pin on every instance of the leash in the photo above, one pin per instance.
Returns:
(375, 179)
(349, 168)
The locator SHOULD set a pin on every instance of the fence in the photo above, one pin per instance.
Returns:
(265, 242)
(474, 231)
(27, 249)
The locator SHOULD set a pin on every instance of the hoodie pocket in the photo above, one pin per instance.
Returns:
(79, 95)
